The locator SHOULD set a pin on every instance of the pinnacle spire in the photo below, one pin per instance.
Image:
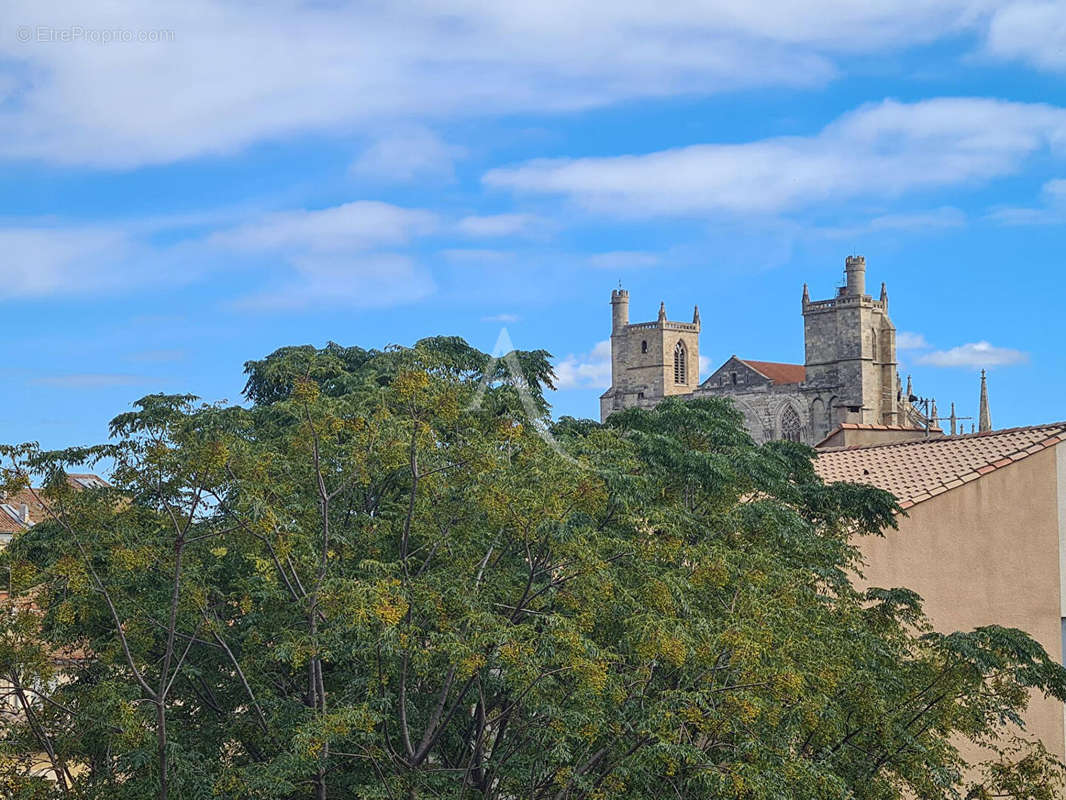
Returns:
(985, 416)
(910, 389)
(696, 314)
(884, 292)
(662, 312)
(806, 295)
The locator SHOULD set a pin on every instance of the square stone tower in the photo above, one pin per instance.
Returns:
(649, 360)
(851, 351)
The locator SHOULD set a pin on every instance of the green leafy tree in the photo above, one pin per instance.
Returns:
(383, 579)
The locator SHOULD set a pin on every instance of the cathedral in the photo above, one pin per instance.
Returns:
(849, 374)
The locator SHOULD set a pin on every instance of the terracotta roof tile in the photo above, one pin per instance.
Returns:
(921, 468)
(11, 506)
(778, 373)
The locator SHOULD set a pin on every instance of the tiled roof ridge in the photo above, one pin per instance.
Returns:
(964, 470)
(752, 364)
(942, 439)
(775, 363)
(870, 426)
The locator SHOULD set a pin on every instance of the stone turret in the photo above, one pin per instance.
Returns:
(855, 270)
(619, 310)
(984, 419)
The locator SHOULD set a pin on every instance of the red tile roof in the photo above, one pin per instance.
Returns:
(779, 373)
(917, 470)
(10, 506)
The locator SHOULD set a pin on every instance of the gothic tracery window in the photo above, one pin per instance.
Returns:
(790, 425)
(680, 364)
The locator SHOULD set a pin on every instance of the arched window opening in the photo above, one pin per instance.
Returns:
(680, 364)
(733, 375)
(644, 346)
(790, 425)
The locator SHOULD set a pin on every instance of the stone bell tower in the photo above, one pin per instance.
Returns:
(850, 347)
(649, 360)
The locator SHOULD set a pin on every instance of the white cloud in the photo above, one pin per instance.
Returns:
(624, 259)
(375, 280)
(590, 370)
(886, 149)
(938, 219)
(497, 225)
(705, 366)
(227, 78)
(407, 154)
(1052, 212)
(906, 340)
(44, 260)
(95, 380)
(332, 256)
(1054, 191)
(352, 226)
(1034, 32)
(477, 256)
(974, 354)
(501, 318)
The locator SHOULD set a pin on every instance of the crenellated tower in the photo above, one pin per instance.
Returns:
(850, 345)
(649, 360)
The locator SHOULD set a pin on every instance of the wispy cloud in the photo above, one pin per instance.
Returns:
(907, 340)
(334, 256)
(351, 226)
(95, 380)
(477, 256)
(918, 222)
(407, 154)
(504, 318)
(590, 370)
(1051, 212)
(371, 280)
(498, 225)
(43, 260)
(624, 259)
(974, 354)
(884, 149)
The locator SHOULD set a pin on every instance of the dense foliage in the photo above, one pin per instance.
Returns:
(383, 579)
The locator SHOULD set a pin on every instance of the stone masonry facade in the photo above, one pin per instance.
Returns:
(849, 372)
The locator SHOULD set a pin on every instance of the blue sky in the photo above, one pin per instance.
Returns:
(188, 185)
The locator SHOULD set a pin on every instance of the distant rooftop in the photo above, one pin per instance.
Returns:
(22, 509)
(777, 372)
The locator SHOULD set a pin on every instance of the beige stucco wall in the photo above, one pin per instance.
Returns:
(987, 552)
